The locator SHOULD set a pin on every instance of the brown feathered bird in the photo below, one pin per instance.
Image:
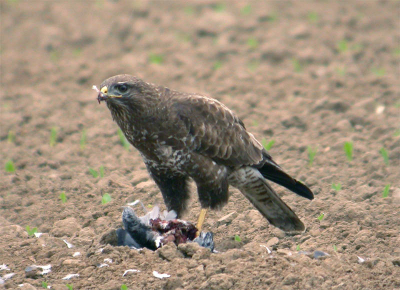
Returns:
(182, 136)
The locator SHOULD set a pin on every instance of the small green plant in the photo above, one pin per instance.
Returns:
(189, 10)
(219, 7)
(246, 10)
(336, 186)
(379, 72)
(237, 238)
(396, 133)
(93, 172)
(11, 137)
(252, 43)
(106, 198)
(321, 217)
(9, 167)
(267, 146)
(83, 139)
(348, 150)
(44, 284)
(396, 51)
(343, 46)
(156, 58)
(123, 140)
(53, 136)
(101, 171)
(217, 65)
(124, 287)
(297, 67)
(385, 155)
(386, 191)
(341, 71)
(311, 155)
(298, 248)
(313, 17)
(335, 248)
(63, 197)
(30, 231)
(69, 286)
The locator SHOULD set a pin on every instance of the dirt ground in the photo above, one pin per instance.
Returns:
(304, 74)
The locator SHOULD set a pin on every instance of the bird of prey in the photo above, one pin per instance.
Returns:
(183, 136)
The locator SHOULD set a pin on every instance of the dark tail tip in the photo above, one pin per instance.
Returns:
(302, 190)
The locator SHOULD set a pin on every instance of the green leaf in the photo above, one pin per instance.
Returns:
(156, 58)
(123, 140)
(106, 198)
(311, 155)
(348, 149)
(396, 133)
(379, 72)
(267, 146)
(343, 46)
(9, 166)
(44, 284)
(321, 217)
(69, 287)
(217, 65)
(313, 17)
(297, 65)
(30, 231)
(335, 248)
(124, 287)
(246, 10)
(386, 191)
(336, 186)
(341, 71)
(252, 43)
(101, 171)
(53, 136)
(63, 197)
(385, 155)
(93, 172)
(298, 248)
(237, 238)
(219, 7)
(11, 137)
(83, 139)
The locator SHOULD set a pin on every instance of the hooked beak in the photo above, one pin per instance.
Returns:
(103, 94)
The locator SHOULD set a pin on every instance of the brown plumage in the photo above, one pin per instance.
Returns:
(182, 136)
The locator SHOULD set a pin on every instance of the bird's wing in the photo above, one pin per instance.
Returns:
(212, 130)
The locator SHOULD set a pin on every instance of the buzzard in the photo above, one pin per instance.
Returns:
(184, 136)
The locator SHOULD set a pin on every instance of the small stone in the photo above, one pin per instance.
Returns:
(67, 227)
(169, 252)
(173, 283)
(71, 262)
(189, 249)
(27, 286)
(290, 280)
(272, 242)
(319, 254)
(31, 271)
(227, 219)
(202, 253)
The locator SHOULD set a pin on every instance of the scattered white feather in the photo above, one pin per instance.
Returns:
(95, 88)
(76, 254)
(70, 276)
(38, 234)
(161, 276)
(360, 260)
(45, 269)
(6, 277)
(103, 265)
(268, 250)
(108, 260)
(130, 271)
(133, 203)
(4, 267)
(379, 110)
(100, 250)
(69, 245)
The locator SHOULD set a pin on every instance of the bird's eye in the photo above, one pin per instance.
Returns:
(122, 88)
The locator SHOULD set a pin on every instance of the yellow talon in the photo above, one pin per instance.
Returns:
(200, 222)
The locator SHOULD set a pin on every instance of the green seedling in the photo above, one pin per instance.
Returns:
(93, 172)
(267, 146)
(9, 167)
(348, 150)
(311, 155)
(123, 140)
(386, 191)
(297, 67)
(106, 198)
(252, 43)
(335, 248)
(30, 231)
(396, 133)
(341, 71)
(321, 217)
(219, 7)
(101, 171)
(298, 248)
(63, 197)
(343, 46)
(217, 65)
(313, 17)
(237, 238)
(69, 287)
(156, 58)
(385, 155)
(396, 51)
(44, 284)
(336, 186)
(379, 72)
(83, 139)
(246, 10)
(124, 287)
(53, 136)
(11, 137)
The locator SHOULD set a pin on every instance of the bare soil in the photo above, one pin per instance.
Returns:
(301, 73)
